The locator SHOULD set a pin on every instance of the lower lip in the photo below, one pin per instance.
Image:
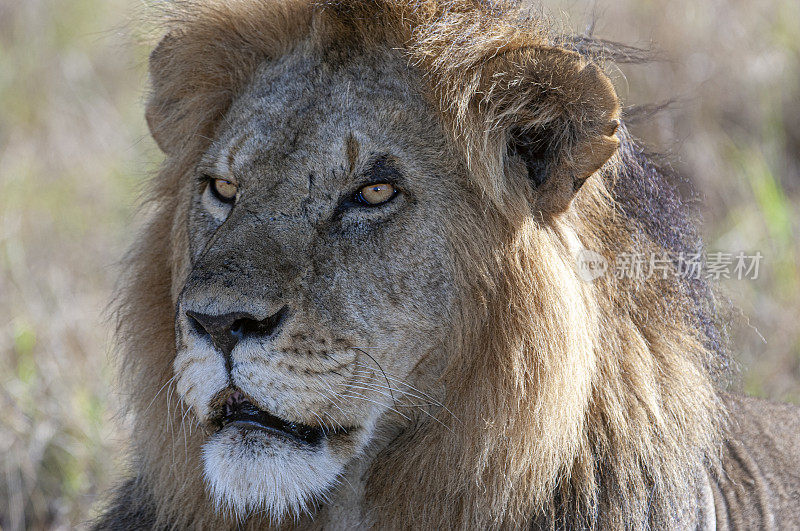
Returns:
(251, 425)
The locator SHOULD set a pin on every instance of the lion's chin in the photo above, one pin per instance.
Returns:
(252, 470)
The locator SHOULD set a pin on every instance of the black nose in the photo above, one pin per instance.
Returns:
(226, 330)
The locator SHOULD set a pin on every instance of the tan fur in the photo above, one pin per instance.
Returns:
(564, 403)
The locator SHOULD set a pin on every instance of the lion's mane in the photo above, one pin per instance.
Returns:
(600, 407)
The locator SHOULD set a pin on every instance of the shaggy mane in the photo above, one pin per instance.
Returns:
(580, 404)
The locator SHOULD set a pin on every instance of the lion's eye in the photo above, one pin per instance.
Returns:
(375, 194)
(224, 190)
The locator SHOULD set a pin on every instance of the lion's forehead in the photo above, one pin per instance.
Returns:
(298, 112)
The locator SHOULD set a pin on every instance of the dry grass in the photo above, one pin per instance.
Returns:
(71, 157)
(74, 152)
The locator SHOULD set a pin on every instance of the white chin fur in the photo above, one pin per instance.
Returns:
(253, 471)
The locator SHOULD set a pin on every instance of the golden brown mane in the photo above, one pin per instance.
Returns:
(601, 407)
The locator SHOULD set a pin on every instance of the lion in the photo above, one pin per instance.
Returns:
(355, 301)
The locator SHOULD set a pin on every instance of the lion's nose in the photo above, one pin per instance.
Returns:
(226, 330)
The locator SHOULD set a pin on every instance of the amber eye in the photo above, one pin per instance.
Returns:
(224, 190)
(375, 194)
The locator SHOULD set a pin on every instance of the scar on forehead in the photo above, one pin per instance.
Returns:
(351, 148)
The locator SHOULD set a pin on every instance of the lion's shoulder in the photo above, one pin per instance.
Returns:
(758, 481)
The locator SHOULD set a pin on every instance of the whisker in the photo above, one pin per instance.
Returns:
(436, 419)
(376, 363)
(354, 394)
(168, 382)
(331, 402)
(170, 390)
(323, 425)
(335, 395)
(420, 407)
(366, 387)
(424, 402)
(334, 420)
(401, 382)
(183, 426)
(417, 393)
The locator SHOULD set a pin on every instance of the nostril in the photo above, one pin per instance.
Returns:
(196, 324)
(264, 327)
(217, 328)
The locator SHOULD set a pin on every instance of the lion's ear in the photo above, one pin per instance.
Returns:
(158, 107)
(559, 113)
(192, 82)
(207, 58)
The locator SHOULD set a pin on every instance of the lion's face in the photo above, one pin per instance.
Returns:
(381, 221)
(321, 281)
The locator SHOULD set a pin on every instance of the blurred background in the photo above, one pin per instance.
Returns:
(74, 156)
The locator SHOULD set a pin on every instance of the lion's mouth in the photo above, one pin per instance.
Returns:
(240, 412)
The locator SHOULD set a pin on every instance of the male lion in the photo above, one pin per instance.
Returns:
(355, 303)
